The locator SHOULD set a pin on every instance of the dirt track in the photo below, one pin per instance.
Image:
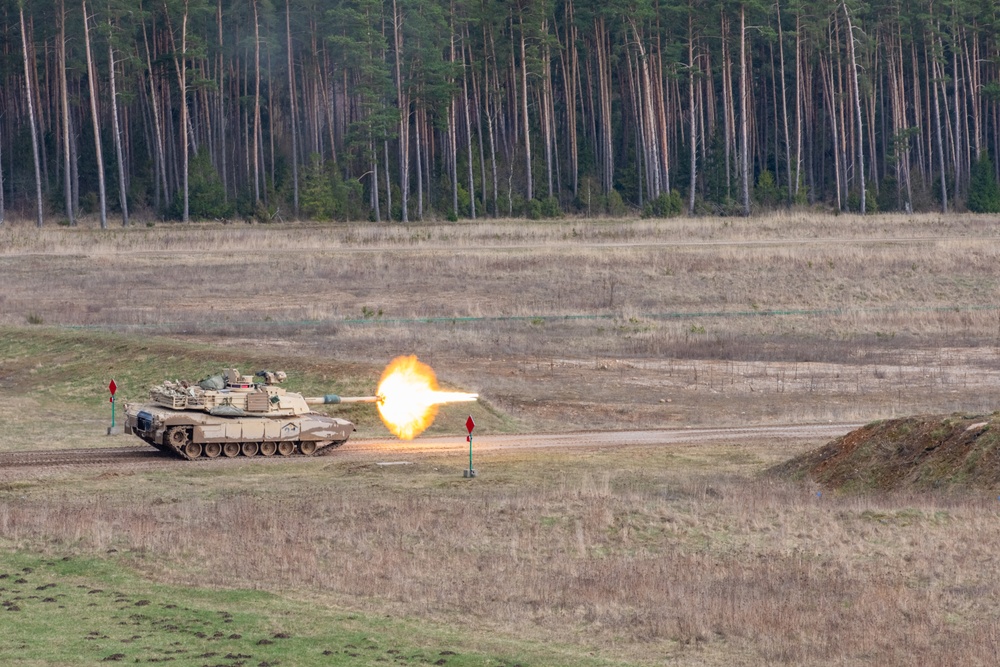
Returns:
(21, 464)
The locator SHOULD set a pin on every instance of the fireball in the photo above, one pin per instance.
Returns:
(409, 395)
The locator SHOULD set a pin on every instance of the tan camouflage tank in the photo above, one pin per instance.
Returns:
(237, 415)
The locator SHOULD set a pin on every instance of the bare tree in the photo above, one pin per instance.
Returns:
(31, 115)
(293, 109)
(122, 187)
(694, 124)
(529, 191)
(784, 101)
(857, 102)
(64, 99)
(180, 66)
(744, 120)
(92, 82)
(256, 105)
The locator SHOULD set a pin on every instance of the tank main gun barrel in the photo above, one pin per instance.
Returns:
(334, 399)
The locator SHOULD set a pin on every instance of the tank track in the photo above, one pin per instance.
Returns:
(178, 443)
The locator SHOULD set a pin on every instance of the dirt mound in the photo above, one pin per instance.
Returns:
(922, 452)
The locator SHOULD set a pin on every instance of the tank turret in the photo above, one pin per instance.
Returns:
(233, 414)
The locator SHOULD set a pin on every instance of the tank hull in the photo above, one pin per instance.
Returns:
(193, 435)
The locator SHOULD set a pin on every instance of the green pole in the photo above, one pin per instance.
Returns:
(469, 424)
(112, 411)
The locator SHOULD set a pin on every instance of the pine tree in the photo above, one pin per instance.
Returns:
(984, 191)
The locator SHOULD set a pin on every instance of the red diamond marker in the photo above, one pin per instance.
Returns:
(113, 388)
(469, 424)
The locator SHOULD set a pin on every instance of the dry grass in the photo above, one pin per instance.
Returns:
(802, 227)
(794, 317)
(644, 555)
(680, 552)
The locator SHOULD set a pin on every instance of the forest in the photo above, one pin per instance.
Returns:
(405, 110)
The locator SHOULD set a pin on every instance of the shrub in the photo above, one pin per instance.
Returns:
(206, 194)
(768, 193)
(984, 192)
(871, 201)
(667, 205)
(324, 194)
(616, 207)
(550, 208)
(802, 196)
(316, 196)
(534, 209)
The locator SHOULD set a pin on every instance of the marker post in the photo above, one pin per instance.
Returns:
(471, 472)
(114, 430)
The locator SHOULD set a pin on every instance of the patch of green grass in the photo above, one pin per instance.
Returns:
(67, 610)
(59, 380)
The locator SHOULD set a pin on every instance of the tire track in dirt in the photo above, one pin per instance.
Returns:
(20, 463)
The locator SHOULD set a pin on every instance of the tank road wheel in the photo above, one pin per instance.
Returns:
(231, 449)
(177, 437)
(286, 448)
(212, 449)
(308, 447)
(268, 448)
(249, 449)
(192, 450)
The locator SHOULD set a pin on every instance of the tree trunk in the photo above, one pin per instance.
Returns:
(478, 106)
(40, 108)
(92, 81)
(403, 104)
(545, 116)
(293, 110)
(644, 105)
(158, 152)
(975, 89)
(64, 95)
(221, 123)
(453, 132)
(529, 190)
(605, 136)
(826, 70)
(744, 121)
(2, 203)
(570, 76)
(256, 105)
(388, 181)
(729, 114)
(271, 133)
(784, 101)
(857, 104)
(940, 142)
(488, 101)
(416, 156)
(468, 138)
(694, 124)
(798, 103)
(28, 68)
(180, 65)
(374, 172)
(122, 188)
(452, 157)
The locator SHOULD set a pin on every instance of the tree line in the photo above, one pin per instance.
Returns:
(400, 110)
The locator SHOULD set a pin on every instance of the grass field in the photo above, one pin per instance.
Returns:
(76, 611)
(681, 554)
(566, 324)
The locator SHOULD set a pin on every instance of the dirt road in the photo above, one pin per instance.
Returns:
(25, 464)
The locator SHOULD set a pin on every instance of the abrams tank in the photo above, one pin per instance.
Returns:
(237, 415)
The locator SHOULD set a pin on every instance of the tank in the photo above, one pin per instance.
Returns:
(232, 415)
